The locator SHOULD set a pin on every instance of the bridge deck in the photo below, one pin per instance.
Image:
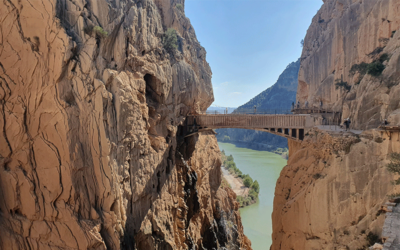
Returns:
(249, 121)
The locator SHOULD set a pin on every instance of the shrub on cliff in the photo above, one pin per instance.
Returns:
(170, 40)
(375, 68)
(179, 7)
(343, 85)
(394, 165)
(96, 30)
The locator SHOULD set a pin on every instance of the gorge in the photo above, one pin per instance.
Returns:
(94, 151)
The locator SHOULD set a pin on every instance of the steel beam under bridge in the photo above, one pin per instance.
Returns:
(290, 126)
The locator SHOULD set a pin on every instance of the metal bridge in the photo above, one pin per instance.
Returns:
(290, 126)
(280, 122)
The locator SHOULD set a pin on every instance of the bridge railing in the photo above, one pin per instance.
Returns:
(250, 112)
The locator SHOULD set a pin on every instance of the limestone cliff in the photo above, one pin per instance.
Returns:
(344, 38)
(329, 194)
(91, 148)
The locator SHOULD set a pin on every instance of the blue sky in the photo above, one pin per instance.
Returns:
(249, 42)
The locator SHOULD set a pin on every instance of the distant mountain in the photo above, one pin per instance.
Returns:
(280, 97)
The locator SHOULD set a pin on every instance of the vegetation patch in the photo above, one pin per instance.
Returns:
(394, 166)
(375, 68)
(342, 85)
(230, 165)
(96, 30)
(317, 176)
(179, 7)
(360, 68)
(170, 40)
(372, 238)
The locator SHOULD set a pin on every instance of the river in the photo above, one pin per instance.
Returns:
(264, 167)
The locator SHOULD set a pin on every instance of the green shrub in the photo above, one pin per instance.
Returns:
(256, 187)
(170, 40)
(375, 68)
(248, 181)
(240, 200)
(394, 165)
(229, 158)
(360, 68)
(253, 195)
(372, 238)
(340, 84)
(97, 30)
(100, 32)
(179, 6)
(384, 57)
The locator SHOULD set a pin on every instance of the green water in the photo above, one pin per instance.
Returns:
(264, 167)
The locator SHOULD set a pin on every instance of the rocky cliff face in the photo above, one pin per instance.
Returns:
(91, 152)
(330, 193)
(345, 36)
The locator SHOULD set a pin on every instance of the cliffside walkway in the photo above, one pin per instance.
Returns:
(287, 125)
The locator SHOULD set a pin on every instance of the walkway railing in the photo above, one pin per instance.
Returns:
(251, 112)
(249, 121)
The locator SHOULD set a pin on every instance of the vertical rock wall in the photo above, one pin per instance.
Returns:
(330, 193)
(343, 34)
(90, 146)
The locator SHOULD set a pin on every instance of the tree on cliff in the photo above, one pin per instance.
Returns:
(394, 165)
(170, 40)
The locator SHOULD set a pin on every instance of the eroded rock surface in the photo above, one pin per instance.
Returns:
(90, 147)
(345, 33)
(330, 193)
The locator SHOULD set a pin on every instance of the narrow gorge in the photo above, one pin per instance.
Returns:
(100, 147)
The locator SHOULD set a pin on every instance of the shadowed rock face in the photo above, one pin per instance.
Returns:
(343, 34)
(90, 150)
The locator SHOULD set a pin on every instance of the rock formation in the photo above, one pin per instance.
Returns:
(330, 193)
(344, 37)
(91, 148)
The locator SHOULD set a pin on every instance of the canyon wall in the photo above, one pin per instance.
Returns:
(330, 193)
(92, 154)
(345, 36)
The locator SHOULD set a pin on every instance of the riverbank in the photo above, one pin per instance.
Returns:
(242, 184)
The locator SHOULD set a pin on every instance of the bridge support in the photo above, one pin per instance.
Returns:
(294, 133)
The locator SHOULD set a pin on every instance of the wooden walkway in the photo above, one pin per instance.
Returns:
(290, 126)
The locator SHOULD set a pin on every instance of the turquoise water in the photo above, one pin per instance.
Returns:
(264, 167)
